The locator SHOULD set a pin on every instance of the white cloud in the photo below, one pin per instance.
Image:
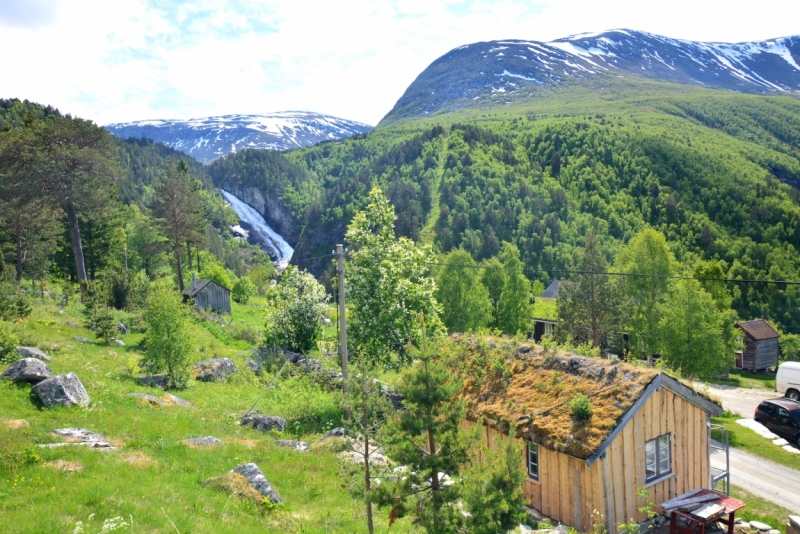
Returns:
(115, 61)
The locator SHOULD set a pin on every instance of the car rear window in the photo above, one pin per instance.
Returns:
(766, 408)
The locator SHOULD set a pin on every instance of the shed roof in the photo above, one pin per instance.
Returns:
(201, 284)
(758, 329)
(507, 383)
(552, 290)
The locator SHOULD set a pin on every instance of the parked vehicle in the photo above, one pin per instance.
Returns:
(781, 416)
(787, 381)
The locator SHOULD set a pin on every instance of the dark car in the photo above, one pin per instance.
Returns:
(781, 416)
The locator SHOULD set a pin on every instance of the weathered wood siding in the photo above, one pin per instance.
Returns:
(569, 491)
(215, 297)
(759, 354)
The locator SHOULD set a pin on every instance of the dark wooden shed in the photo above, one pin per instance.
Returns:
(208, 294)
(760, 345)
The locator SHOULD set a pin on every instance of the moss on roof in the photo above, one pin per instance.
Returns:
(506, 382)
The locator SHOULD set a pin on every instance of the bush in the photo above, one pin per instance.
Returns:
(217, 273)
(169, 344)
(295, 322)
(242, 290)
(581, 407)
(106, 321)
(9, 340)
(14, 304)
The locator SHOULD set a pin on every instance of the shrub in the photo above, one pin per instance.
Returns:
(14, 304)
(295, 322)
(242, 290)
(217, 273)
(581, 407)
(106, 321)
(169, 345)
(9, 340)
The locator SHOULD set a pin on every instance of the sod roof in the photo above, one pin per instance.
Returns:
(506, 383)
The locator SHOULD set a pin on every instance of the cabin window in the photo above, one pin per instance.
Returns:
(533, 460)
(658, 457)
(548, 329)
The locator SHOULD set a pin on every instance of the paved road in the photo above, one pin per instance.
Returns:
(766, 479)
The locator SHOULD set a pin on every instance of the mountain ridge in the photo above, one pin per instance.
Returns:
(208, 138)
(505, 71)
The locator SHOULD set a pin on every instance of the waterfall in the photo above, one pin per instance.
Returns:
(269, 238)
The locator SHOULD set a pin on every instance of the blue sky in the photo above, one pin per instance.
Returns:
(120, 60)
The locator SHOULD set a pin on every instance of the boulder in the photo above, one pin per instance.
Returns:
(27, 370)
(254, 366)
(33, 352)
(61, 390)
(81, 435)
(157, 381)
(758, 525)
(335, 433)
(118, 342)
(213, 370)
(82, 339)
(264, 423)
(122, 329)
(301, 446)
(147, 398)
(258, 481)
(205, 441)
(72, 324)
(168, 399)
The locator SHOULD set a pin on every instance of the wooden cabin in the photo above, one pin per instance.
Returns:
(208, 294)
(760, 345)
(647, 429)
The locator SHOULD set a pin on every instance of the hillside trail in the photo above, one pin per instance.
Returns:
(427, 233)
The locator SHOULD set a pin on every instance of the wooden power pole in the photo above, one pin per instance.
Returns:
(343, 330)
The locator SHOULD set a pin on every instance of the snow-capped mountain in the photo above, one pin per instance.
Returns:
(211, 137)
(503, 70)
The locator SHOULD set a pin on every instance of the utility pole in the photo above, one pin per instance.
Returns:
(343, 330)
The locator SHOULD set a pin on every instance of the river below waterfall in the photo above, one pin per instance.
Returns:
(269, 238)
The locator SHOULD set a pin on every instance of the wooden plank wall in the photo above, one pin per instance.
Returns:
(568, 491)
(214, 297)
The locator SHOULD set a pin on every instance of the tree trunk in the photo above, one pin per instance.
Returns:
(77, 246)
(367, 481)
(189, 255)
(180, 266)
(197, 251)
(19, 258)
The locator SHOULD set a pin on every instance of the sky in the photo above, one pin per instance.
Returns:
(123, 60)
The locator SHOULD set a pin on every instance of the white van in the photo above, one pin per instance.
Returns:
(787, 381)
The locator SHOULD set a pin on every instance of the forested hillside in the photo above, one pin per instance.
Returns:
(715, 172)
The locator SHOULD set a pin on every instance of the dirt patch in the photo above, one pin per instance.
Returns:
(65, 466)
(138, 458)
(14, 424)
(236, 485)
(249, 443)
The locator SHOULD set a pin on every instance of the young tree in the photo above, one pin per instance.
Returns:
(515, 299)
(648, 254)
(178, 206)
(494, 278)
(243, 290)
(591, 306)
(299, 304)
(428, 440)
(464, 299)
(692, 329)
(169, 343)
(388, 286)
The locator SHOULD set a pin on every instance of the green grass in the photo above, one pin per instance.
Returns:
(747, 440)
(35, 497)
(545, 309)
(759, 509)
(746, 379)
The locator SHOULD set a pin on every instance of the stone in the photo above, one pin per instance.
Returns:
(156, 381)
(524, 349)
(61, 390)
(292, 357)
(780, 442)
(264, 423)
(79, 435)
(254, 366)
(334, 433)
(205, 441)
(214, 370)
(774, 531)
(258, 481)
(758, 525)
(33, 352)
(27, 370)
(118, 342)
(301, 446)
(82, 339)
(72, 324)
(122, 329)
(791, 449)
(147, 398)
(757, 427)
(169, 399)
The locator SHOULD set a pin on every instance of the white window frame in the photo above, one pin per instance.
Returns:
(660, 453)
(532, 451)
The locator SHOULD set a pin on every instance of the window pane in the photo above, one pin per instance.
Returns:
(663, 441)
(663, 465)
(650, 446)
(533, 460)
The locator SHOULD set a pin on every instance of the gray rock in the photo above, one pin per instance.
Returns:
(254, 366)
(293, 357)
(258, 481)
(334, 433)
(172, 399)
(301, 446)
(758, 525)
(122, 329)
(118, 342)
(524, 349)
(82, 339)
(156, 381)
(27, 370)
(79, 434)
(61, 390)
(264, 423)
(72, 324)
(152, 399)
(774, 531)
(214, 370)
(33, 352)
(205, 441)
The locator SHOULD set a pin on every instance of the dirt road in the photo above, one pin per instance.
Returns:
(766, 479)
(741, 400)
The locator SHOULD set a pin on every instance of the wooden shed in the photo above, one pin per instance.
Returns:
(760, 345)
(208, 294)
(647, 429)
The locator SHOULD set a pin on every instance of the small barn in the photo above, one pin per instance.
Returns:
(760, 345)
(208, 294)
(647, 429)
